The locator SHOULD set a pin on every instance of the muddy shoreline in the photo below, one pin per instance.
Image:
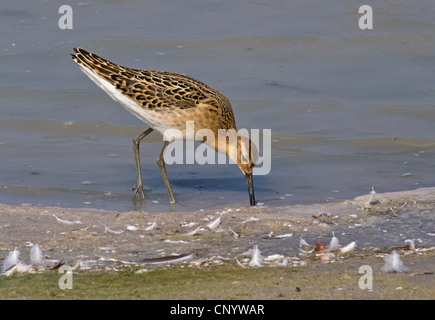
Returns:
(110, 241)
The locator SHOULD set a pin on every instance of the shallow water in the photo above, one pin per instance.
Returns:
(348, 108)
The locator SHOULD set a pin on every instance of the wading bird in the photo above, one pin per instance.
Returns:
(166, 100)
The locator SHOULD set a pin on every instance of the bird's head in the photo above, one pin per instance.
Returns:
(243, 151)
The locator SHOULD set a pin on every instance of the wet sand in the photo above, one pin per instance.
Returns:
(103, 242)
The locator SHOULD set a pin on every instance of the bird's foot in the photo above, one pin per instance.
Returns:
(138, 191)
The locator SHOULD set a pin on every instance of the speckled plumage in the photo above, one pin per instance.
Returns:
(163, 96)
(166, 100)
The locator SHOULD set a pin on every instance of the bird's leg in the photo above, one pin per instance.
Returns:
(138, 187)
(161, 164)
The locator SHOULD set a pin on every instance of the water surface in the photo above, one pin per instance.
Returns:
(348, 108)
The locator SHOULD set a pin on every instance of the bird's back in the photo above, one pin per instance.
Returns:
(162, 99)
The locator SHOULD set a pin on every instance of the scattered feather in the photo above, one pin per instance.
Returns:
(11, 260)
(36, 257)
(214, 224)
(393, 263)
(208, 217)
(11, 271)
(240, 264)
(202, 262)
(205, 262)
(326, 256)
(17, 268)
(22, 267)
(175, 241)
(256, 258)
(235, 234)
(371, 199)
(141, 271)
(303, 243)
(78, 265)
(12, 264)
(248, 253)
(193, 232)
(109, 248)
(132, 228)
(67, 221)
(188, 224)
(287, 235)
(274, 257)
(224, 212)
(250, 219)
(116, 260)
(151, 227)
(170, 259)
(410, 244)
(57, 265)
(281, 236)
(107, 230)
(334, 245)
(348, 248)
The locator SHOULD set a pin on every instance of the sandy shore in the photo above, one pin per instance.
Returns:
(107, 241)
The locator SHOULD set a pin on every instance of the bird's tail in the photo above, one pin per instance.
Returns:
(100, 66)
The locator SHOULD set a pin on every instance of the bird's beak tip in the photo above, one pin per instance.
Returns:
(250, 184)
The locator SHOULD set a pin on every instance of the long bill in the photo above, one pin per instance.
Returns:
(250, 184)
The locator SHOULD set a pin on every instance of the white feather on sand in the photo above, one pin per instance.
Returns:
(256, 258)
(151, 227)
(67, 221)
(281, 236)
(36, 257)
(334, 244)
(240, 264)
(108, 230)
(193, 232)
(284, 262)
(12, 264)
(350, 247)
(250, 219)
(393, 263)
(18, 268)
(214, 224)
(303, 243)
(188, 224)
(175, 241)
(411, 244)
(11, 260)
(274, 257)
(371, 199)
